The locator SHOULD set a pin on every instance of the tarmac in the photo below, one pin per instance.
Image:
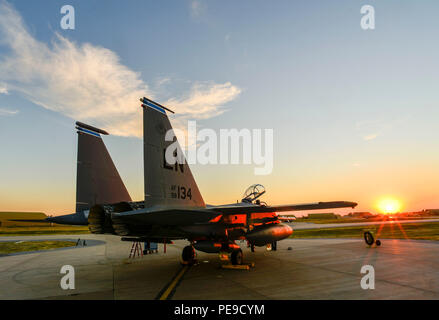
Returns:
(299, 269)
(310, 225)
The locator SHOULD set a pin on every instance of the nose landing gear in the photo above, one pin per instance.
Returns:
(370, 239)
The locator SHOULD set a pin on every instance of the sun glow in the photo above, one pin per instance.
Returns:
(389, 206)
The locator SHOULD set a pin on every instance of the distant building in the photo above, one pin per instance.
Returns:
(289, 218)
(430, 212)
(322, 216)
(360, 215)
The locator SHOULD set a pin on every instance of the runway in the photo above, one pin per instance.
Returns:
(310, 225)
(313, 269)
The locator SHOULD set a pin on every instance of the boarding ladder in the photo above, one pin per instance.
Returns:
(136, 249)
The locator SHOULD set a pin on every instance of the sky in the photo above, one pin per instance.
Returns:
(354, 112)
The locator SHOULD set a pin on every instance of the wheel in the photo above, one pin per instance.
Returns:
(237, 257)
(368, 237)
(188, 254)
(378, 242)
(274, 246)
(252, 248)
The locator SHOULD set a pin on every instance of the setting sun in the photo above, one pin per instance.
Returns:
(389, 205)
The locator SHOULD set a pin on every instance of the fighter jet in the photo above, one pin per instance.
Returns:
(173, 207)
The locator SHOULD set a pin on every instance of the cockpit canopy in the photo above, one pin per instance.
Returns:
(253, 192)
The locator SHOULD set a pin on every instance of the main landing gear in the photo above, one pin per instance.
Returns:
(237, 257)
(270, 247)
(188, 255)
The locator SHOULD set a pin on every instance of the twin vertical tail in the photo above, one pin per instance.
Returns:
(166, 184)
(98, 182)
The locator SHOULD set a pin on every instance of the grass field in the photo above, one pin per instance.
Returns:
(5, 218)
(340, 220)
(20, 228)
(415, 231)
(24, 246)
(44, 230)
(22, 215)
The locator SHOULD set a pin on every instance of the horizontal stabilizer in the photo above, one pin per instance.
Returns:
(74, 219)
(29, 220)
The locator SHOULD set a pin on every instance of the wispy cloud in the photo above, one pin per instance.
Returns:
(88, 82)
(379, 127)
(197, 8)
(3, 89)
(6, 112)
(163, 81)
(372, 129)
(370, 136)
(205, 100)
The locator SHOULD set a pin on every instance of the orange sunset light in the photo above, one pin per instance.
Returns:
(389, 205)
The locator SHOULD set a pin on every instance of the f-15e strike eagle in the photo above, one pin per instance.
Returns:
(173, 207)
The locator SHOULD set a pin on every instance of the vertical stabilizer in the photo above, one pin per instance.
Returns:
(97, 180)
(165, 184)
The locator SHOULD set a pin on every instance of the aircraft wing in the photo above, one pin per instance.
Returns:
(165, 216)
(316, 206)
(253, 208)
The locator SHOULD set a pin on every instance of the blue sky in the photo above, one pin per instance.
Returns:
(354, 112)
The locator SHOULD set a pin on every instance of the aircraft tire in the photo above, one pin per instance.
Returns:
(274, 246)
(252, 248)
(368, 238)
(237, 257)
(188, 254)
